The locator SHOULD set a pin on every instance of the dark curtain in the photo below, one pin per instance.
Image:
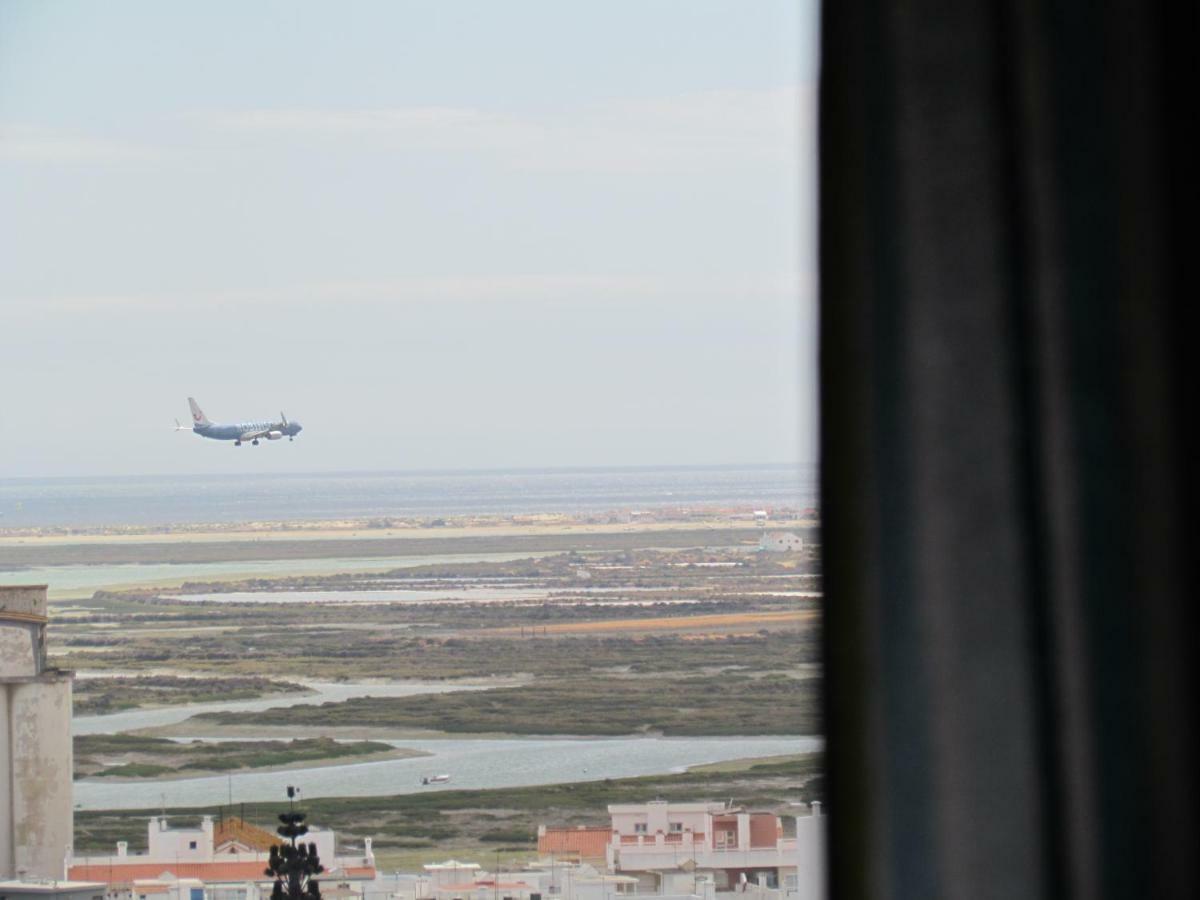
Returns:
(1007, 490)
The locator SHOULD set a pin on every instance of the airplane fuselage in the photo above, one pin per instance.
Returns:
(241, 431)
(271, 431)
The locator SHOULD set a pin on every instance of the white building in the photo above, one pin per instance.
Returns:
(37, 819)
(547, 878)
(453, 880)
(780, 542)
(214, 861)
(51, 890)
(219, 843)
(669, 846)
(812, 883)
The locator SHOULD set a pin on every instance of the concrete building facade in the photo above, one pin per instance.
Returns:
(731, 846)
(37, 818)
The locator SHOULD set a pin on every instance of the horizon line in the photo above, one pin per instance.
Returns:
(505, 470)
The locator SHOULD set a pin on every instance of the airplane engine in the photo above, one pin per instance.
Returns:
(274, 435)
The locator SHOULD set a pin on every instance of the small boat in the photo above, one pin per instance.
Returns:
(435, 779)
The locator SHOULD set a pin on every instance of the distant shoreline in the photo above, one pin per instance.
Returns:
(381, 528)
(555, 534)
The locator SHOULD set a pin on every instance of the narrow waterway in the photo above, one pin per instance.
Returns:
(470, 763)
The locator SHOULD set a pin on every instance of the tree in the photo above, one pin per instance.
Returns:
(293, 865)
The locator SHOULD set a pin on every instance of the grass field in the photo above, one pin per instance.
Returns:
(672, 704)
(94, 696)
(138, 756)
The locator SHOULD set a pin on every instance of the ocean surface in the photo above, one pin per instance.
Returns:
(196, 499)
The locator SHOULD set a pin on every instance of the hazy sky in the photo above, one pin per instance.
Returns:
(439, 234)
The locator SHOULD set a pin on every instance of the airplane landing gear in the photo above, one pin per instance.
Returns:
(255, 442)
(237, 443)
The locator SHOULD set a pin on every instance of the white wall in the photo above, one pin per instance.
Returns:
(7, 870)
(42, 816)
(811, 880)
(171, 844)
(324, 839)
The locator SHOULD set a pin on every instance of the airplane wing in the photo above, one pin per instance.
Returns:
(251, 435)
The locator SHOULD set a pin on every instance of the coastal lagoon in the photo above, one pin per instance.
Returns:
(318, 692)
(73, 582)
(471, 763)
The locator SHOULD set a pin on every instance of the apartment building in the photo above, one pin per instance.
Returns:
(659, 842)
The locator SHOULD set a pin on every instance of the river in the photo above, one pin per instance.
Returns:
(471, 762)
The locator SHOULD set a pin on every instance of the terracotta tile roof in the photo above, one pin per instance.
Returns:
(586, 843)
(236, 830)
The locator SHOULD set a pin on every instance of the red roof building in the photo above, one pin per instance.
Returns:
(581, 844)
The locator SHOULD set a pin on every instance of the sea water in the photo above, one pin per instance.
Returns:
(165, 500)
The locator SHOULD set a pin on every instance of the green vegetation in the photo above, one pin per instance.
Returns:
(135, 770)
(134, 756)
(724, 703)
(455, 822)
(349, 654)
(619, 640)
(88, 744)
(105, 695)
(508, 836)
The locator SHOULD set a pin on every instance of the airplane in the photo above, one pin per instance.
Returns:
(243, 431)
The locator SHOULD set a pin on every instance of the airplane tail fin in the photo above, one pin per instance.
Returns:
(198, 415)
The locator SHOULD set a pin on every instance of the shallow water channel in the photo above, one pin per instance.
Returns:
(322, 692)
(470, 762)
(81, 581)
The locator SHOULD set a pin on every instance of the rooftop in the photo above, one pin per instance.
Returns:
(239, 872)
(239, 831)
(584, 842)
(50, 887)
